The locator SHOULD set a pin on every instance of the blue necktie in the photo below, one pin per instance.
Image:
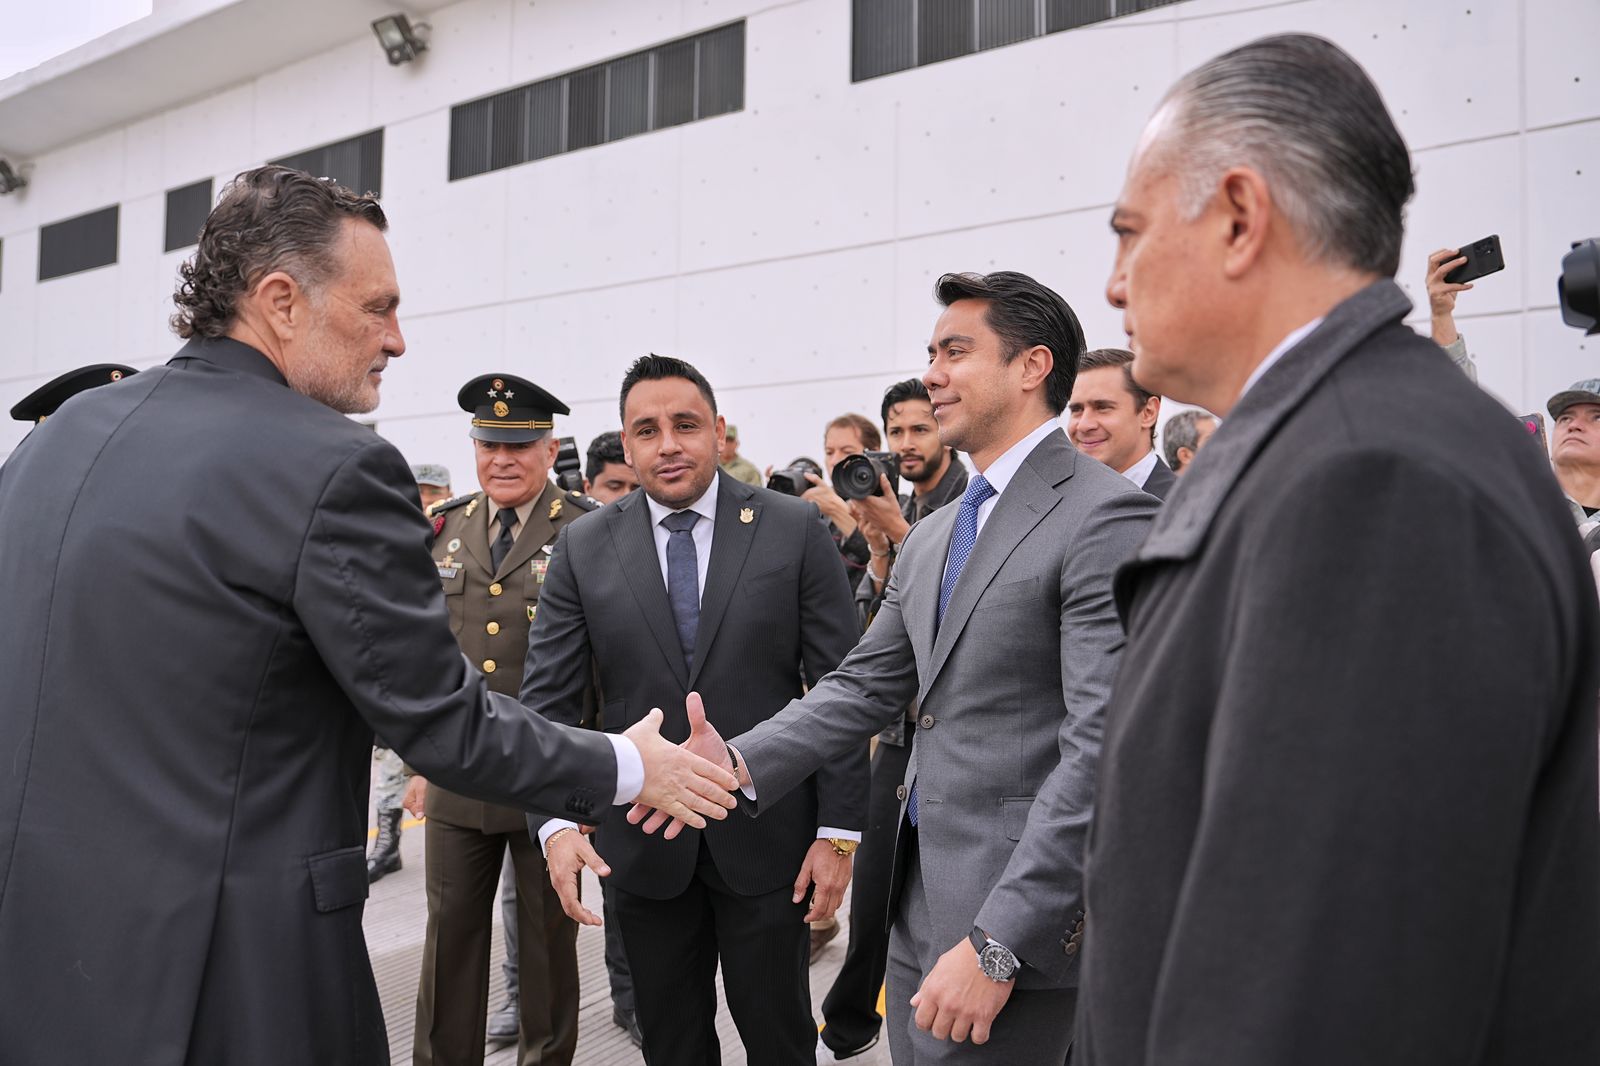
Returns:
(683, 580)
(962, 538)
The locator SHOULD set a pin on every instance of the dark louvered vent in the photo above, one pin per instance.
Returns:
(357, 163)
(673, 83)
(78, 244)
(187, 208)
(891, 35)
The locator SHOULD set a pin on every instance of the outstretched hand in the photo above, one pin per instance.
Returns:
(704, 743)
(679, 783)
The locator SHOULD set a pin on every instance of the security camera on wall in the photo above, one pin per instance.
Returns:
(10, 180)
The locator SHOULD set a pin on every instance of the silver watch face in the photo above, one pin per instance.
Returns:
(998, 964)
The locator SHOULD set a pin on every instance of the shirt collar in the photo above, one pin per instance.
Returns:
(1003, 469)
(705, 506)
(523, 511)
(1139, 472)
(1277, 353)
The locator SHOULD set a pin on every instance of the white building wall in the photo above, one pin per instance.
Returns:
(789, 249)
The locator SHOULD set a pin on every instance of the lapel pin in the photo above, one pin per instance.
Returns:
(747, 516)
(532, 611)
(555, 509)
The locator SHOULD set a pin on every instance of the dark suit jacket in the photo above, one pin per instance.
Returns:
(776, 611)
(216, 588)
(1161, 480)
(1347, 803)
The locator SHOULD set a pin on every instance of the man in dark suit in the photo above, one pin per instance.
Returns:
(999, 623)
(1347, 804)
(1112, 418)
(492, 548)
(226, 591)
(701, 583)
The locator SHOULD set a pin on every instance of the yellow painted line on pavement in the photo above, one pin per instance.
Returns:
(408, 823)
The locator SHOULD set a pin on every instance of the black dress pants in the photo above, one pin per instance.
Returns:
(850, 1009)
(673, 946)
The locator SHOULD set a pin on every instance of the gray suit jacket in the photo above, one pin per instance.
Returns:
(1011, 690)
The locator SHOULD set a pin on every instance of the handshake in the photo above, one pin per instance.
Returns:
(684, 784)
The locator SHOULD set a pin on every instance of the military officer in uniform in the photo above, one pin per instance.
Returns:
(492, 548)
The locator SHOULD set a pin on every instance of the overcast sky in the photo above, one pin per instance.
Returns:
(32, 31)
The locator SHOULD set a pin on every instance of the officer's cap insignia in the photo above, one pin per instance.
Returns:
(498, 384)
(501, 408)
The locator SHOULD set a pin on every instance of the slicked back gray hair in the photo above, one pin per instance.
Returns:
(1182, 431)
(1303, 114)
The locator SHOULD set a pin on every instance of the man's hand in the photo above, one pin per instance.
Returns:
(415, 797)
(883, 512)
(1442, 294)
(678, 783)
(956, 1000)
(566, 854)
(830, 503)
(829, 871)
(705, 742)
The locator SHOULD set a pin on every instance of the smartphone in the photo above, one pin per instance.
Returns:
(1483, 257)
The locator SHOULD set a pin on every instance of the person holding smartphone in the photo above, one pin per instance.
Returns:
(1442, 305)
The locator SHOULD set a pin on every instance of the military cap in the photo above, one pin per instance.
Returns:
(1587, 391)
(42, 402)
(509, 409)
(431, 474)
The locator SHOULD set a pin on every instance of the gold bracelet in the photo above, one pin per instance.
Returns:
(551, 839)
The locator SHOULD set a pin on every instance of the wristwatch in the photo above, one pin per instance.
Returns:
(842, 846)
(995, 959)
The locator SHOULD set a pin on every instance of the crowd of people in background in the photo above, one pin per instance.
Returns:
(1274, 743)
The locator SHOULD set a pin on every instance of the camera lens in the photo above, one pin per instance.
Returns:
(855, 477)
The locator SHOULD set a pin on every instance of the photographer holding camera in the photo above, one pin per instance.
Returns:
(847, 435)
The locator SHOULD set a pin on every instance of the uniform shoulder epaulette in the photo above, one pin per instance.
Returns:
(583, 502)
(437, 509)
(436, 512)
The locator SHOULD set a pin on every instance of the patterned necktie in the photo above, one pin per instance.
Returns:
(502, 544)
(683, 580)
(962, 538)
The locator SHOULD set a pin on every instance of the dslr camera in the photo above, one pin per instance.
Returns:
(791, 480)
(855, 477)
(568, 467)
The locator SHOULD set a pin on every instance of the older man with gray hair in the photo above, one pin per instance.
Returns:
(1362, 829)
(1183, 435)
(227, 592)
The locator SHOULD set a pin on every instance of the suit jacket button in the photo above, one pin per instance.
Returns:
(900, 793)
(926, 721)
(488, 666)
(496, 589)
(492, 628)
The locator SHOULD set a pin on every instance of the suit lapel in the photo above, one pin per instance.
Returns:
(475, 534)
(1021, 507)
(635, 544)
(536, 533)
(730, 545)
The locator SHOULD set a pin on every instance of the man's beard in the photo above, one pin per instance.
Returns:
(931, 468)
(324, 378)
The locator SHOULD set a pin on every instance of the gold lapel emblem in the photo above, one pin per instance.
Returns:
(454, 545)
(473, 506)
(501, 409)
(555, 509)
(747, 516)
(533, 610)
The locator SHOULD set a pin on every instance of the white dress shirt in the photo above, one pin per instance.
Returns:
(1140, 472)
(1003, 469)
(703, 531)
(1294, 338)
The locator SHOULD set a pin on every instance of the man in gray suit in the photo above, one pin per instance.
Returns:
(998, 620)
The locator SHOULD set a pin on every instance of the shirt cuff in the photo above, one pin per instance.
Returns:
(750, 789)
(826, 831)
(550, 829)
(630, 769)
